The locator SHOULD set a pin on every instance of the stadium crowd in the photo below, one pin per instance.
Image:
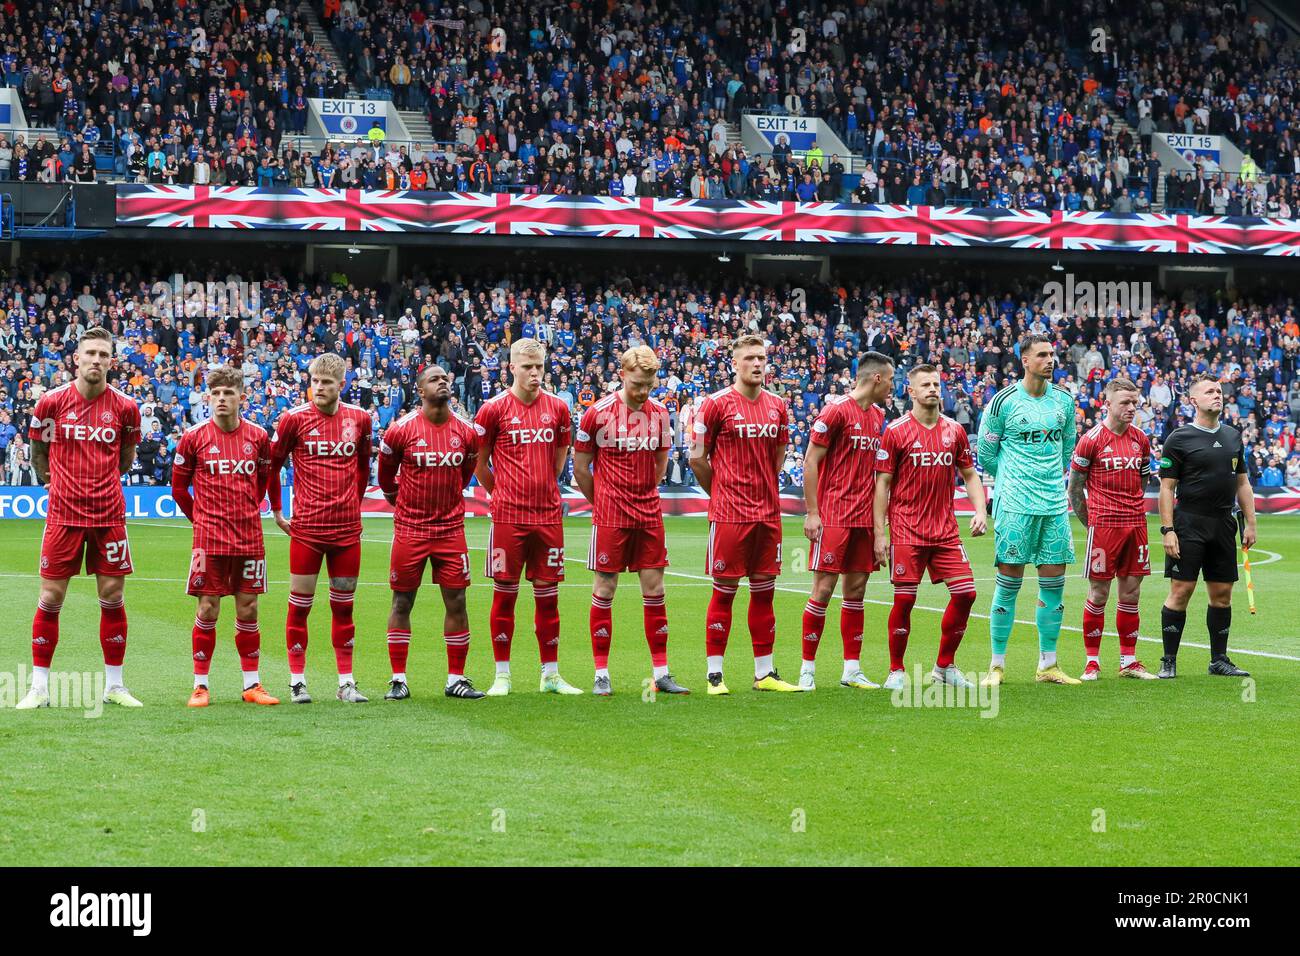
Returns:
(1001, 105)
(466, 321)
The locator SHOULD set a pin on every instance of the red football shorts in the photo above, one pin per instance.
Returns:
(105, 551)
(744, 549)
(535, 551)
(225, 574)
(448, 559)
(947, 562)
(844, 551)
(627, 549)
(341, 560)
(1117, 552)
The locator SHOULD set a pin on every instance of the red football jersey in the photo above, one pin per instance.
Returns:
(429, 465)
(924, 463)
(1117, 468)
(521, 441)
(746, 441)
(846, 481)
(331, 468)
(85, 439)
(624, 444)
(229, 472)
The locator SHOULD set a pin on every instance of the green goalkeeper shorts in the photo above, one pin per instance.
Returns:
(1032, 539)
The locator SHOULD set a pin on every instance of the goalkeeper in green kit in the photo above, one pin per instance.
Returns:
(1026, 439)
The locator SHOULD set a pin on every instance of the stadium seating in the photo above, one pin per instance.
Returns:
(633, 100)
(465, 321)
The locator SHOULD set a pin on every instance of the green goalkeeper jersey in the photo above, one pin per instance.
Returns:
(1025, 443)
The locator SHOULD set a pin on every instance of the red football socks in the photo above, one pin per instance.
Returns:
(502, 618)
(718, 619)
(814, 622)
(295, 630)
(955, 618)
(900, 623)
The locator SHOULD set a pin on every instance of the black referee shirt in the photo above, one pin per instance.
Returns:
(1206, 465)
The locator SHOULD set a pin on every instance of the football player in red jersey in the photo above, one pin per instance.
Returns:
(83, 438)
(329, 443)
(620, 456)
(919, 457)
(1111, 465)
(524, 436)
(741, 434)
(426, 459)
(839, 480)
(227, 459)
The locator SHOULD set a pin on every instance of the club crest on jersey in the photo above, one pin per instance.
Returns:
(771, 414)
(454, 442)
(546, 418)
(106, 418)
(248, 448)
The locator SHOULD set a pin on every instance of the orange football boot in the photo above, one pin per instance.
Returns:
(258, 695)
(199, 698)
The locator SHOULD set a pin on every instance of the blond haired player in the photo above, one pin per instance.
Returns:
(620, 456)
(328, 442)
(1111, 465)
(524, 435)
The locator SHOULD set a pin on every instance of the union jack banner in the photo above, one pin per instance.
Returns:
(515, 214)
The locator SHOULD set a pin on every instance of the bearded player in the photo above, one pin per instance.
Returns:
(227, 459)
(838, 489)
(524, 436)
(919, 457)
(620, 456)
(741, 434)
(1026, 439)
(328, 442)
(426, 459)
(83, 438)
(1112, 464)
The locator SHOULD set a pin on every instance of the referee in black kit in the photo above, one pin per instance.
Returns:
(1204, 465)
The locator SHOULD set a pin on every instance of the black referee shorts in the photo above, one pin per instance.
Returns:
(1207, 544)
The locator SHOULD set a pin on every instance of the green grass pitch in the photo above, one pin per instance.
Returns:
(1196, 771)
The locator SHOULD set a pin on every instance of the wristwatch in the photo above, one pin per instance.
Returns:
(1166, 529)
